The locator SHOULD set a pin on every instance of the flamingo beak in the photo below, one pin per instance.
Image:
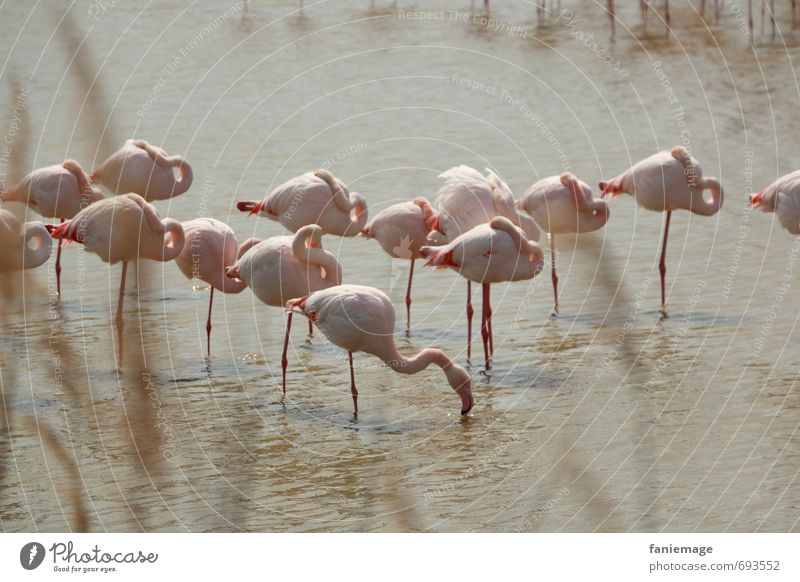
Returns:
(757, 200)
(467, 401)
(232, 272)
(250, 206)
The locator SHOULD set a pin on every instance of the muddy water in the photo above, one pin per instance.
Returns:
(603, 418)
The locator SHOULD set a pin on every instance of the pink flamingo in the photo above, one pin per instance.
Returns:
(783, 198)
(313, 198)
(23, 245)
(143, 169)
(59, 191)
(124, 228)
(489, 253)
(563, 205)
(468, 199)
(210, 248)
(667, 181)
(283, 267)
(401, 230)
(361, 319)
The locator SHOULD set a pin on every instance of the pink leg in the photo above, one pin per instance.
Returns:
(58, 266)
(554, 275)
(353, 390)
(119, 321)
(408, 298)
(310, 328)
(470, 311)
(485, 324)
(662, 266)
(489, 321)
(208, 323)
(284, 359)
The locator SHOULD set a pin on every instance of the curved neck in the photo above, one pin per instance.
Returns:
(699, 204)
(526, 247)
(183, 183)
(36, 245)
(456, 376)
(174, 245)
(359, 221)
(307, 248)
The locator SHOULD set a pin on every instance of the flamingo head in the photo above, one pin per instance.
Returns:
(250, 206)
(757, 201)
(232, 272)
(460, 381)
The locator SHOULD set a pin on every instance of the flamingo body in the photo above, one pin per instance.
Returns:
(144, 169)
(23, 245)
(564, 205)
(313, 198)
(402, 229)
(210, 248)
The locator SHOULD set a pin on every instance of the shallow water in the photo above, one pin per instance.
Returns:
(603, 418)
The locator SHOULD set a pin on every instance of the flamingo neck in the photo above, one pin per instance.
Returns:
(174, 244)
(699, 204)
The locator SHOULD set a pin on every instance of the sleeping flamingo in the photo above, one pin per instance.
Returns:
(59, 191)
(783, 198)
(144, 169)
(560, 205)
(23, 245)
(401, 229)
(283, 267)
(361, 319)
(468, 199)
(667, 181)
(313, 198)
(210, 248)
(124, 228)
(489, 253)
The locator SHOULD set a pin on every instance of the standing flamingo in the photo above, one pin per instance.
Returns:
(124, 228)
(563, 205)
(283, 267)
(468, 199)
(783, 198)
(143, 169)
(667, 181)
(313, 198)
(489, 253)
(401, 229)
(361, 319)
(23, 245)
(59, 191)
(210, 248)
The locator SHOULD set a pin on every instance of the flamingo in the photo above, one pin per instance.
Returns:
(209, 249)
(141, 168)
(23, 245)
(667, 181)
(124, 228)
(401, 230)
(283, 267)
(468, 199)
(489, 253)
(59, 191)
(313, 198)
(560, 205)
(361, 319)
(783, 198)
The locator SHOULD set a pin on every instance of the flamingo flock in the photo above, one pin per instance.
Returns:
(474, 227)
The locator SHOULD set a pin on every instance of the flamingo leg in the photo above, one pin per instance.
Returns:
(491, 333)
(284, 359)
(486, 6)
(118, 320)
(353, 389)
(662, 266)
(208, 323)
(310, 328)
(58, 266)
(486, 313)
(408, 298)
(470, 311)
(554, 275)
(612, 18)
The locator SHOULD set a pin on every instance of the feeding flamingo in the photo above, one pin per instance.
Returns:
(468, 199)
(401, 229)
(489, 253)
(23, 245)
(283, 267)
(124, 228)
(666, 181)
(361, 319)
(314, 198)
(59, 191)
(209, 249)
(141, 168)
(783, 198)
(563, 205)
